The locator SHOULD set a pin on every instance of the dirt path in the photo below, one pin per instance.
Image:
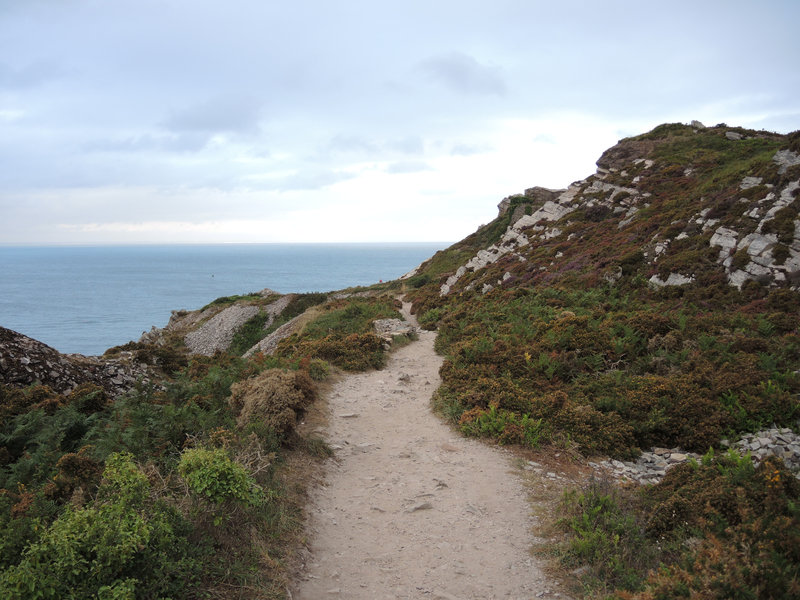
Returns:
(408, 508)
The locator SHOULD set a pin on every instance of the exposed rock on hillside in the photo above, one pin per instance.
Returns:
(677, 206)
(212, 329)
(216, 334)
(25, 361)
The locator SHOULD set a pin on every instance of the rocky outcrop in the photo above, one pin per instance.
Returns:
(25, 361)
(217, 333)
(651, 466)
(753, 223)
(387, 329)
(213, 328)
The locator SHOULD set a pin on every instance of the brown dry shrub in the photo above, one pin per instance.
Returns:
(276, 397)
(75, 471)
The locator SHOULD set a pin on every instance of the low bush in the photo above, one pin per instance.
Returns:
(122, 545)
(275, 397)
(721, 529)
(212, 475)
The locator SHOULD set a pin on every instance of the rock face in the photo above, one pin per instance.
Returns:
(217, 333)
(750, 225)
(25, 361)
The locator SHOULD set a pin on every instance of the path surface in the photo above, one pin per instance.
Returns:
(408, 508)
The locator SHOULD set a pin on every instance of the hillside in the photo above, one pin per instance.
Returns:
(653, 305)
(647, 313)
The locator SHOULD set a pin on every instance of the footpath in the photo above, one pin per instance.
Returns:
(409, 509)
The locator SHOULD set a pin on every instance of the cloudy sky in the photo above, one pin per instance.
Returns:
(335, 120)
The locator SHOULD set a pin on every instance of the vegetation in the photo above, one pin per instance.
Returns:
(179, 489)
(343, 335)
(720, 529)
(175, 490)
(573, 348)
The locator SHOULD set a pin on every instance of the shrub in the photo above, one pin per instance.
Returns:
(275, 397)
(606, 531)
(507, 426)
(354, 352)
(318, 369)
(212, 475)
(121, 546)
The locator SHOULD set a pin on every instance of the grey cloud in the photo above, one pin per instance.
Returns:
(233, 115)
(409, 166)
(301, 180)
(352, 143)
(409, 145)
(462, 73)
(34, 74)
(184, 142)
(462, 149)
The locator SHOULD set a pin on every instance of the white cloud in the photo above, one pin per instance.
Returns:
(351, 120)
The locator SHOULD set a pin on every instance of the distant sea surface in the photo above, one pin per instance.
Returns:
(86, 299)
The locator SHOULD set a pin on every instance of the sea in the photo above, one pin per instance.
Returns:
(86, 299)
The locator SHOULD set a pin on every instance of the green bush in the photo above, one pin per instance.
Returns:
(212, 475)
(607, 533)
(123, 545)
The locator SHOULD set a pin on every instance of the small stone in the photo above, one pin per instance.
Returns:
(348, 415)
(676, 457)
(423, 506)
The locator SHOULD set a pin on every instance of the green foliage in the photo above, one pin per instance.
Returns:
(348, 317)
(249, 334)
(508, 427)
(718, 529)
(430, 319)
(342, 335)
(607, 533)
(228, 300)
(354, 352)
(121, 545)
(211, 474)
(417, 281)
(782, 224)
(318, 369)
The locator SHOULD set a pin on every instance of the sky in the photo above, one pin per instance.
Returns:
(198, 121)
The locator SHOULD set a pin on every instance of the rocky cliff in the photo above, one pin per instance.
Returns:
(680, 204)
(25, 361)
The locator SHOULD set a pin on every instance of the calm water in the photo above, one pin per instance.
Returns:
(87, 299)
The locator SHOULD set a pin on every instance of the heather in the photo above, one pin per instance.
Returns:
(653, 304)
(187, 486)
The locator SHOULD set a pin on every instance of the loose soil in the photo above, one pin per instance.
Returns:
(408, 508)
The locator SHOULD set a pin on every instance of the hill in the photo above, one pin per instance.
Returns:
(653, 305)
(649, 310)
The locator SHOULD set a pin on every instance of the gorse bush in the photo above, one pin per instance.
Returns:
(275, 397)
(212, 475)
(721, 529)
(122, 545)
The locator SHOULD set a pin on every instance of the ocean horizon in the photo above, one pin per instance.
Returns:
(87, 298)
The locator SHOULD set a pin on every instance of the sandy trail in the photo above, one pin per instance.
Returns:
(408, 508)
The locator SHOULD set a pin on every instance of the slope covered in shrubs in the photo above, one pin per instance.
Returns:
(654, 303)
(180, 488)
